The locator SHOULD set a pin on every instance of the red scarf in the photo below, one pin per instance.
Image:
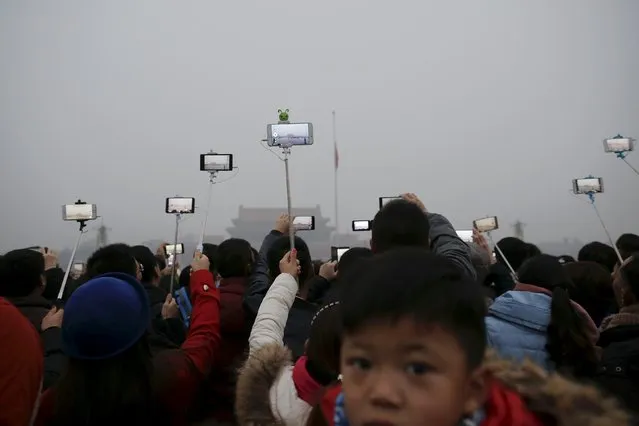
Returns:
(505, 407)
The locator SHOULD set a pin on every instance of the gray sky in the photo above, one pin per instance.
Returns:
(488, 107)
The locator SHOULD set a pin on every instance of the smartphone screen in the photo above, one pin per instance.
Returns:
(289, 134)
(216, 162)
(618, 145)
(466, 235)
(588, 185)
(172, 249)
(79, 212)
(385, 200)
(486, 224)
(304, 223)
(180, 205)
(361, 225)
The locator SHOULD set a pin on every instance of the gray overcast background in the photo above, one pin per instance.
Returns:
(480, 107)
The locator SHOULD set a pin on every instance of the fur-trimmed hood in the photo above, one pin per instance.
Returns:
(256, 377)
(555, 399)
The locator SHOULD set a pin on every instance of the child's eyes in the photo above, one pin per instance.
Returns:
(418, 368)
(358, 362)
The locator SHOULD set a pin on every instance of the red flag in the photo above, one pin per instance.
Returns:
(336, 157)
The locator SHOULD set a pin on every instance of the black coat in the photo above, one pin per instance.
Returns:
(618, 370)
(166, 333)
(33, 307)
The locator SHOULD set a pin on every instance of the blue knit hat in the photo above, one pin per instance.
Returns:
(104, 317)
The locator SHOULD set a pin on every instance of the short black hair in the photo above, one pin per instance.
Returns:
(598, 252)
(592, 288)
(414, 283)
(112, 258)
(400, 223)
(20, 272)
(516, 251)
(280, 247)
(146, 258)
(234, 258)
(351, 258)
(627, 244)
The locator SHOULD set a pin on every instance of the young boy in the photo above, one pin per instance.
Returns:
(413, 354)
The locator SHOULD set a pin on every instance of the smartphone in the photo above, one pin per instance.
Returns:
(466, 235)
(619, 144)
(337, 252)
(486, 224)
(385, 200)
(362, 225)
(216, 162)
(170, 261)
(180, 205)
(304, 223)
(173, 249)
(289, 134)
(587, 185)
(78, 267)
(79, 212)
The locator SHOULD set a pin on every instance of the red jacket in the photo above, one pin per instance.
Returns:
(182, 369)
(218, 397)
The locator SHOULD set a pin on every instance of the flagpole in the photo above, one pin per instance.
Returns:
(335, 192)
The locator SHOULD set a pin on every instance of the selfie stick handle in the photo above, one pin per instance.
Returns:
(200, 245)
(177, 225)
(291, 228)
(68, 270)
(501, 253)
(591, 195)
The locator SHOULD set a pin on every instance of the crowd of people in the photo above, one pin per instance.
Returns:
(421, 328)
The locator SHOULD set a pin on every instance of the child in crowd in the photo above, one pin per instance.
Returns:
(413, 353)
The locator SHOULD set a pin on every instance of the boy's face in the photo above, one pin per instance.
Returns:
(405, 373)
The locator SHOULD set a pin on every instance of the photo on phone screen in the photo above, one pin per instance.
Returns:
(362, 225)
(79, 212)
(587, 185)
(385, 200)
(289, 134)
(180, 205)
(216, 162)
(619, 145)
(337, 252)
(78, 267)
(170, 260)
(304, 223)
(466, 235)
(486, 224)
(173, 249)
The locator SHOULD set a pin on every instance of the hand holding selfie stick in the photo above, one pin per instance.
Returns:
(70, 265)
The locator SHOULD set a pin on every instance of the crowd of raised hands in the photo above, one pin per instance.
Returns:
(421, 328)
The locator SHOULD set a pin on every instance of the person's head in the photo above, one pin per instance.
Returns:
(400, 223)
(351, 258)
(210, 251)
(22, 273)
(592, 288)
(627, 244)
(234, 258)
(104, 336)
(515, 250)
(569, 346)
(317, 264)
(626, 281)
(413, 341)
(112, 258)
(324, 342)
(148, 264)
(280, 247)
(598, 252)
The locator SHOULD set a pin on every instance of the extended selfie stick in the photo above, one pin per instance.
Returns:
(212, 176)
(591, 197)
(286, 150)
(75, 248)
(177, 226)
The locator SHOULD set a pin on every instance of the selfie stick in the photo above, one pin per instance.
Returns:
(286, 150)
(623, 154)
(75, 248)
(501, 253)
(591, 196)
(177, 225)
(212, 176)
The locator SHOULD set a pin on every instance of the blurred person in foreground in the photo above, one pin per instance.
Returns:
(407, 223)
(537, 320)
(275, 245)
(21, 368)
(234, 265)
(591, 289)
(112, 378)
(618, 371)
(627, 244)
(413, 353)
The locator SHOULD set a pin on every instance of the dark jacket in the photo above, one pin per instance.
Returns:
(618, 369)
(171, 329)
(218, 395)
(35, 308)
(298, 325)
(444, 241)
(183, 369)
(54, 277)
